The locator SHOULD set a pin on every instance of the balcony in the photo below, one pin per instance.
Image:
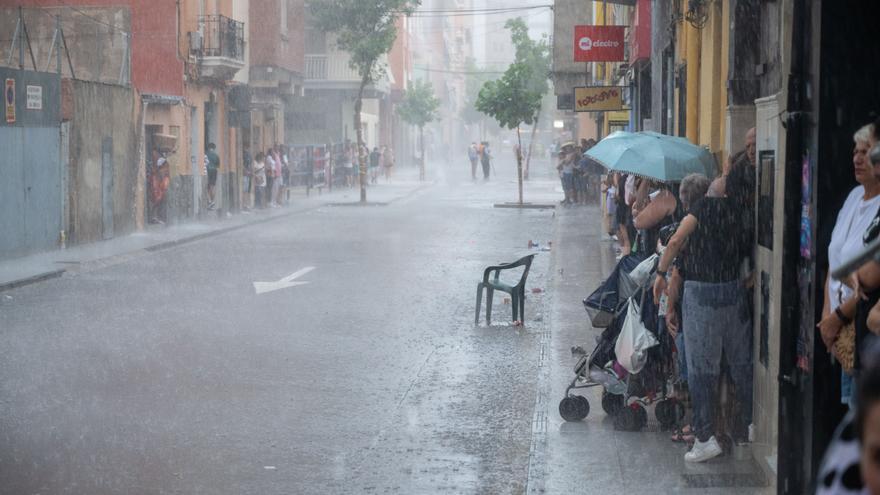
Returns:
(219, 47)
(331, 71)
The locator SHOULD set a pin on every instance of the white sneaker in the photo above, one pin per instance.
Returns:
(703, 451)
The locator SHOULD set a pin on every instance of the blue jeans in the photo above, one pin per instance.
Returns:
(714, 327)
(682, 357)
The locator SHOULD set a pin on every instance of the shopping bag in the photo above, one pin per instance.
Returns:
(634, 340)
(639, 275)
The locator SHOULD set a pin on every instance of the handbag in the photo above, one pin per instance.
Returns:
(844, 348)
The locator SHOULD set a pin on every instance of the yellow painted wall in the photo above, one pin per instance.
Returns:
(711, 77)
(706, 51)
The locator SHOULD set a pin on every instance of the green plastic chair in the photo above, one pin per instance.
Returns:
(492, 283)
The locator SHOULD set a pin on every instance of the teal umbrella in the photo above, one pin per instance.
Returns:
(652, 155)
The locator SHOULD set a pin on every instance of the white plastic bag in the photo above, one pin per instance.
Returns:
(634, 340)
(640, 273)
(630, 282)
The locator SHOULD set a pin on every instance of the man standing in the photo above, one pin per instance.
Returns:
(375, 158)
(473, 156)
(485, 158)
(748, 153)
(212, 161)
(247, 180)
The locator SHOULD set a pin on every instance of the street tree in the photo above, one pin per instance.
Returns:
(516, 98)
(366, 30)
(419, 108)
(536, 55)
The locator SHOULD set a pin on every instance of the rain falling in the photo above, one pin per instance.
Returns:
(439, 246)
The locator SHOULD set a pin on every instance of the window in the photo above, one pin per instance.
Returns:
(282, 14)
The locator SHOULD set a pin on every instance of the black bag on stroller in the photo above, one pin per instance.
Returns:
(604, 303)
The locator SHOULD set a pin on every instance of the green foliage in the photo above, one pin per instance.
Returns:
(509, 100)
(516, 98)
(534, 54)
(363, 28)
(419, 106)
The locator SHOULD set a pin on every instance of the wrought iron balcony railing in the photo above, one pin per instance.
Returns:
(218, 36)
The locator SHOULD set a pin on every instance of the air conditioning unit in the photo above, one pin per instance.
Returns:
(195, 42)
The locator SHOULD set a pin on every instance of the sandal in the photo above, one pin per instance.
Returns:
(683, 435)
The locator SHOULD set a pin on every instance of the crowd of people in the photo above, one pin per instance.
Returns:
(344, 159)
(702, 231)
(480, 154)
(579, 174)
(267, 176)
(704, 234)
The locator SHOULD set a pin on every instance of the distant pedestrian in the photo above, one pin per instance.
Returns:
(259, 180)
(375, 158)
(486, 159)
(268, 200)
(248, 179)
(159, 178)
(474, 157)
(284, 195)
(348, 158)
(387, 161)
(277, 177)
(212, 163)
(566, 174)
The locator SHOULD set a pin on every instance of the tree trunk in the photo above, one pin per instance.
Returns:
(531, 144)
(519, 165)
(422, 149)
(362, 163)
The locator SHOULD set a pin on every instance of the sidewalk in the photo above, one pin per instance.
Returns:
(590, 456)
(26, 270)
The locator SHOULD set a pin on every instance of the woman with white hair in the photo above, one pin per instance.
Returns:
(846, 239)
(855, 307)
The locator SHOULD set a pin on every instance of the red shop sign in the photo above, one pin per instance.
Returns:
(599, 43)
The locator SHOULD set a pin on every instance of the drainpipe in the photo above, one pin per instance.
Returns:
(693, 83)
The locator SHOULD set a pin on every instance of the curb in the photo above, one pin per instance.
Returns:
(15, 284)
(49, 275)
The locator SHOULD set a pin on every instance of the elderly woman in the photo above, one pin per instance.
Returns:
(846, 239)
(712, 302)
(857, 306)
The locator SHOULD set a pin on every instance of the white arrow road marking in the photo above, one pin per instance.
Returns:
(284, 283)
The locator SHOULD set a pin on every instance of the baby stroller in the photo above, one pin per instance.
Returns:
(625, 394)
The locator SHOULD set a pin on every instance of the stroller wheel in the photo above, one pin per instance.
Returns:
(583, 406)
(570, 408)
(611, 403)
(669, 412)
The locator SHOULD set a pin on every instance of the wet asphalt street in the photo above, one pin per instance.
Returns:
(166, 372)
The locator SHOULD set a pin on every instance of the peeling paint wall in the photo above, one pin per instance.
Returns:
(102, 111)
